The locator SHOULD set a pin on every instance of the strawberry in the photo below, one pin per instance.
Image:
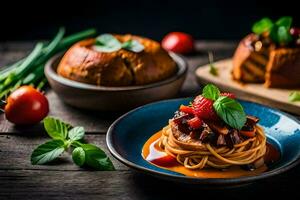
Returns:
(195, 122)
(228, 94)
(203, 108)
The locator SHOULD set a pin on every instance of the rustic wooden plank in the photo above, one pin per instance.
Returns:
(15, 151)
(37, 184)
(98, 122)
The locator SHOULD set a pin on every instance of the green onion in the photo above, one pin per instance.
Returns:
(30, 70)
(16, 74)
(68, 41)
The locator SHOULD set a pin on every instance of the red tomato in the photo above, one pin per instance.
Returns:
(195, 122)
(295, 31)
(248, 133)
(186, 109)
(178, 42)
(26, 106)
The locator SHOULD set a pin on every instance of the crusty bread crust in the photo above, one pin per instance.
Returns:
(120, 68)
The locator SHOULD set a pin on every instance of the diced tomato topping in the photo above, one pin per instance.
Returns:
(186, 109)
(248, 133)
(195, 122)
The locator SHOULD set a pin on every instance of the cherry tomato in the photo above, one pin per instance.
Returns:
(25, 106)
(178, 42)
(295, 31)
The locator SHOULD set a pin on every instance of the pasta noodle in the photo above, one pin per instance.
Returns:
(243, 153)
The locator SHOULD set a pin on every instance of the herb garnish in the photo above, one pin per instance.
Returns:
(210, 91)
(212, 69)
(279, 31)
(294, 96)
(108, 43)
(228, 109)
(65, 137)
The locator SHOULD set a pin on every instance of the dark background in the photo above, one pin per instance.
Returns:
(209, 19)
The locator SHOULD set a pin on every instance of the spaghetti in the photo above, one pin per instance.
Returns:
(249, 151)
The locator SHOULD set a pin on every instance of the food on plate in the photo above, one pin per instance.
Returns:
(178, 42)
(117, 60)
(269, 55)
(30, 70)
(26, 106)
(211, 138)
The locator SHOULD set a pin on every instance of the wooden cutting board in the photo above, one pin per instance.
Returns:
(277, 98)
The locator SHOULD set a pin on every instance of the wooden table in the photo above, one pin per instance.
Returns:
(63, 180)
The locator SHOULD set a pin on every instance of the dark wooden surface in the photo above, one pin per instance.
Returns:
(63, 180)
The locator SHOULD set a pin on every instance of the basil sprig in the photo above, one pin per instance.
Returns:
(210, 91)
(294, 96)
(64, 137)
(108, 43)
(263, 25)
(212, 68)
(228, 109)
(279, 31)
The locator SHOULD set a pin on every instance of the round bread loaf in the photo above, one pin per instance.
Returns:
(120, 68)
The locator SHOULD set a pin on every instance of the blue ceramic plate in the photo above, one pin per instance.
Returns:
(127, 135)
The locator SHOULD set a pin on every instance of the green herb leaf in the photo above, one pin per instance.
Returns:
(47, 152)
(96, 158)
(264, 25)
(212, 69)
(133, 45)
(210, 91)
(230, 111)
(56, 128)
(294, 96)
(285, 21)
(78, 156)
(283, 35)
(107, 43)
(76, 133)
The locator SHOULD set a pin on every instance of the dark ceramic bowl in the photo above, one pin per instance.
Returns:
(127, 135)
(94, 97)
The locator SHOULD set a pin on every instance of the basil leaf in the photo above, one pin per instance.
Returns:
(230, 111)
(107, 43)
(212, 69)
(133, 45)
(56, 128)
(294, 96)
(283, 35)
(264, 25)
(210, 91)
(47, 152)
(285, 21)
(78, 156)
(274, 34)
(96, 158)
(76, 133)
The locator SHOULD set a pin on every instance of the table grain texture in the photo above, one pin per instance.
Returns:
(63, 180)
